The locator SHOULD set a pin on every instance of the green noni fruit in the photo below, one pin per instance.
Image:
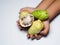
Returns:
(36, 27)
(40, 14)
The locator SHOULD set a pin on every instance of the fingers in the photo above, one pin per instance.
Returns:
(29, 9)
(19, 26)
(46, 28)
(37, 36)
(45, 4)
(53, 10)
(30, 36)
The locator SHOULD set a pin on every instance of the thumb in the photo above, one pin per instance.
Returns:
(46, 28)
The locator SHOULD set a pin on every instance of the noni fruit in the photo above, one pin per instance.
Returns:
(40, 14)
(26, 19)
(22, 14)
(36, 27)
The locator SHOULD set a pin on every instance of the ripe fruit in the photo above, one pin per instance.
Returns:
(36, 27)
(22, 14)
(26, 19)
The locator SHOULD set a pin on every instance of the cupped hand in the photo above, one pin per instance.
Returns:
(52, 7)
(45, 29)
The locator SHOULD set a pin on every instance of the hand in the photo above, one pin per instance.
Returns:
(46, 25)
(52, 7)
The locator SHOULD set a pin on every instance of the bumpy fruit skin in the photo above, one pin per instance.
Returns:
(22, 14)
(36, 27)
(40, 14)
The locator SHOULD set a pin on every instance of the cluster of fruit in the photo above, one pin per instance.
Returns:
(33, 20)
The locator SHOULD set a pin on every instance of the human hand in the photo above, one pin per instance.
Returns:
(46, 25)
(52, 7)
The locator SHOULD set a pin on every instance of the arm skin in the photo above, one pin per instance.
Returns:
(54, 9)
(51, 9)
(45, 4)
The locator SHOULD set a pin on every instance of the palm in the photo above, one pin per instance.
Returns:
(43, 32)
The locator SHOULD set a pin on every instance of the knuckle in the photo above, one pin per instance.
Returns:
(44, 33)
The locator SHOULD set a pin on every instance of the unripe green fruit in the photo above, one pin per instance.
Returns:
(40, 14)
(36, 27)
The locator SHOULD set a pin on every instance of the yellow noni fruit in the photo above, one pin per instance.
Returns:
(22, 14)
(36, 27)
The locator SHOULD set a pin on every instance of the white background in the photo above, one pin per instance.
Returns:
(9, 32)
